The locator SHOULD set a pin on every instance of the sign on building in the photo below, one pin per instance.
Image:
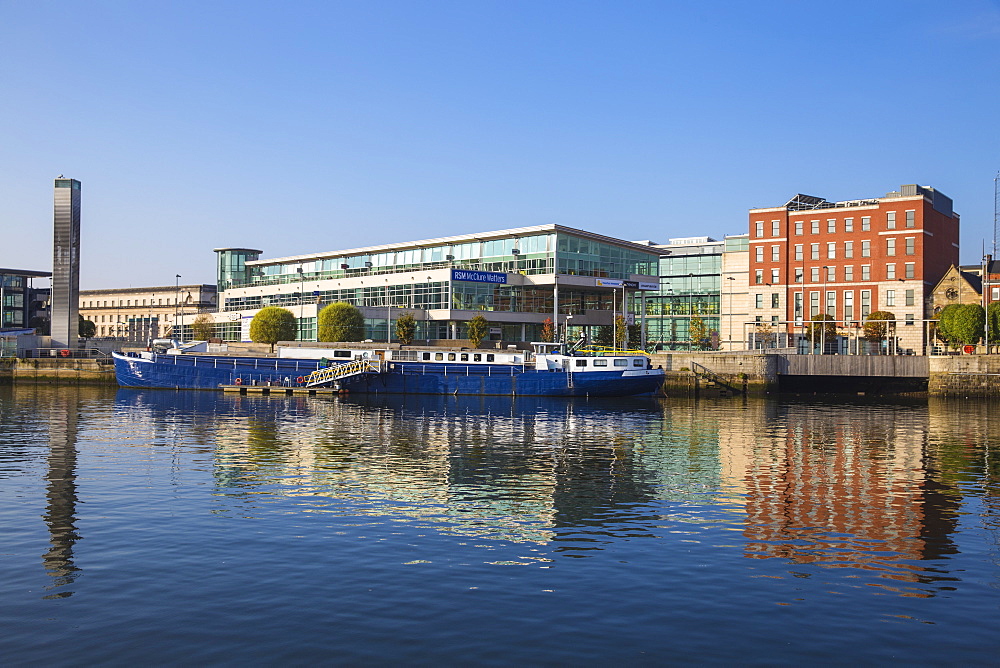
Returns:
(478, 276)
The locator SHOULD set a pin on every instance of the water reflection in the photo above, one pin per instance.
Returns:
(878, 488)
(61, 493)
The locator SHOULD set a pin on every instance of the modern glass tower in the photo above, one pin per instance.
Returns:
(65, 301)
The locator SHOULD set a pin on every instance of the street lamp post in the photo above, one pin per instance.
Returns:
(177, 292)
(823, 302)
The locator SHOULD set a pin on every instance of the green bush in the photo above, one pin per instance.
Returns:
(406, 328)
(273, 324)
(341, 321)
(875, 330)
(479, 327)
(962, 324)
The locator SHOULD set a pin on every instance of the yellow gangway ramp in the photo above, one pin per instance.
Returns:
(341, 371)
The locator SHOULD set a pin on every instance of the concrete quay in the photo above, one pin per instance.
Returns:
(755, 373)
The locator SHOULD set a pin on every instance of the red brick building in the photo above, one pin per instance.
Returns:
(851, 258)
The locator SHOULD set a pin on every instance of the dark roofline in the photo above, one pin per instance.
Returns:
(26, 272)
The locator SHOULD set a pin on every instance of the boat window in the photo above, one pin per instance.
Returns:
(600, 362)
(581, 362)
(639, 362)
(427, 356)
(477, 357)
(490, 357)
(439, 356)
(620, 362)
(451, 357)
(465, 357)
(341, 353)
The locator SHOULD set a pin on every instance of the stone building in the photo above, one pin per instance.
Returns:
(139, 314)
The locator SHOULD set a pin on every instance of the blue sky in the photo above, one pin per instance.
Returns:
(310, 126)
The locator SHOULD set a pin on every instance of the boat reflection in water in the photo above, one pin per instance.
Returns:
(874, 487)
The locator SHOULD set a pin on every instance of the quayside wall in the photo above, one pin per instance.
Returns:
(964, 376)
(62, 371)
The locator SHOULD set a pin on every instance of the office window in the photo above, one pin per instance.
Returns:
(797, 301)
(813, 251)
(798, 251)
(866, 272)
(831, 250)
(775, 253)
(758, 276)
(909, 318)
(911, 218)
(775, 276)
(759, 318)
(849, 272)
(866, 303)
(866, 223)
(759, 254)
(831, 225)
(775, 320)
(775, 300)
(890, 246)
(848, 249)
(814, 274)
(890, 297)
(813, 304)
(995, 294)
(848, 224)
(848, 304)
(909, 298)
(890, 272)
(814, 226)
(798, 227)
(759, 225)
(798, 275)
(758, 300)
(775, 228)
(831, 274)
(911, 270)
(866, 249)
(911, 245)
(831, 303)
(890, 220)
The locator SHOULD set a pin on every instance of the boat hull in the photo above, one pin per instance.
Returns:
(207, 372)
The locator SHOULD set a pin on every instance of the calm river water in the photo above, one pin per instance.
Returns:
(166, 528)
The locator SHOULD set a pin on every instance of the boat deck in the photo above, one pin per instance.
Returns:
(267, 390)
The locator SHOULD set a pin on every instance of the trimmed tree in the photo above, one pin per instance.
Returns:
(273, 324)
(993, 319)
(604, 336)
(86, 329)
(341, 321)
(701, 335)
(406, 328)
(822, 329)
(203, 327)
(966, 323)
(548, 331)
(479, 327)
(621, 332)
(876, 328)
(635, 337)
(946, 317)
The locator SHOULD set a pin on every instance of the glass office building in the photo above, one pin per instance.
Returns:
(516, 278)
(17, 297)
(690, 272)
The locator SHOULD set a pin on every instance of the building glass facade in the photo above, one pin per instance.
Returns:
(690, 275)
(510, 273)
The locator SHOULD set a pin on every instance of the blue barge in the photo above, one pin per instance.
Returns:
(547, 371)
